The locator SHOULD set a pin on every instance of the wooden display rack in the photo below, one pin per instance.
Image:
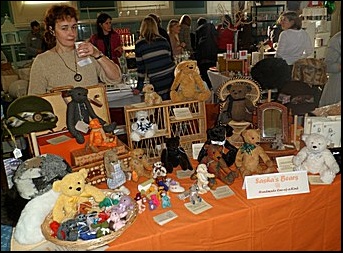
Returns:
(191, 128)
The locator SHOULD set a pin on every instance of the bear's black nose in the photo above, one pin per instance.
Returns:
(78, 189)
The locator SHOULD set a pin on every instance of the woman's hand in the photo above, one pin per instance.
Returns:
(87, 49)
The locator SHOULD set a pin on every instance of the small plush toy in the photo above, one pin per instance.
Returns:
(216, 165)
(218, 135)
(143, 127)
(139, 164)
(174, 155)
(98, 137)
(114, 169)
(237, 106)
(202, 178)
(249, 154)
(316, 158)
(278, 143)
(73, 191)
(150, 96)
(79, 110)
(194, 194)
(188, 84)
(159, 172)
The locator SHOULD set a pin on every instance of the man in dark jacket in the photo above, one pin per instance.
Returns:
(205, 48)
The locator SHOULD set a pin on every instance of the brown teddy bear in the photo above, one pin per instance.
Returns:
(150, 96)
(249, 154)
(237, 106)
(73, 191)
(216, 165)
(139, 164)
(188, 84)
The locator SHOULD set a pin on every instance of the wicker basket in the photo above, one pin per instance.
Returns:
(88, 244)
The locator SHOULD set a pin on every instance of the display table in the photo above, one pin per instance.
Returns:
(310, 221)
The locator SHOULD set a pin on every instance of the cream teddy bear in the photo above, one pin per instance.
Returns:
(202, 178)
(73, 191)
(316, 158)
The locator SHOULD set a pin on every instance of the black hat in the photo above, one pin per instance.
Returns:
(30, 114)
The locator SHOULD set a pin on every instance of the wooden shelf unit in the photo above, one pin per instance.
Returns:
(190, 130)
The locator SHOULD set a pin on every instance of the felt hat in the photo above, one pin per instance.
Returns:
(30, 114)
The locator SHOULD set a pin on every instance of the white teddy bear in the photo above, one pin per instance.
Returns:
(316, 158)
(202, 178)
(142, 127)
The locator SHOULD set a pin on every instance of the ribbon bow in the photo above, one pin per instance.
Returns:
(246, 147)
(220, 143)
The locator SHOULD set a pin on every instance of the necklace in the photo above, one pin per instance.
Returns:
(77, 76)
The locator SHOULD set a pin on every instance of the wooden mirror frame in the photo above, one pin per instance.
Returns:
(285, 120)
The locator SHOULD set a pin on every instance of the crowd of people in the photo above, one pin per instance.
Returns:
(156, 49)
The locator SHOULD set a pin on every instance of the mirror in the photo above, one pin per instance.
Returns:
(272, 119)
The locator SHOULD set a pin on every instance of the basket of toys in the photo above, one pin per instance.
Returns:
(95, 225)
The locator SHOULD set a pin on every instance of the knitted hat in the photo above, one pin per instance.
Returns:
(36, 175)
(30, 114)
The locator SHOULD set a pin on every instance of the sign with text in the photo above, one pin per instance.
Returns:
(276, 184)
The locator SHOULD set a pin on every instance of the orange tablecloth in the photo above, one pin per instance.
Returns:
(310, 221)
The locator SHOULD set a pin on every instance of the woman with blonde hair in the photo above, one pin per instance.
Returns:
(173, 32)
(153, 59)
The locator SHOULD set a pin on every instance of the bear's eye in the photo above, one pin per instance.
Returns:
(70, 187)
(78, 183)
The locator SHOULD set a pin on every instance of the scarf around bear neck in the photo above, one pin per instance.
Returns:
(247, 147)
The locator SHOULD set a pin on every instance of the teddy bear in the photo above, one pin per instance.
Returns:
(248, 156)
(218, 135)
(174, 155)
(188, 84)
(73, 191)
(115, 169)
(142, 127)
(139, 164)
(316, 158)
(203, 178)
(79, 110)
(216, 165)
(150, 96)
(237, 106)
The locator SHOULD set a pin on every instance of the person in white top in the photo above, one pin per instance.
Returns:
(294, 43)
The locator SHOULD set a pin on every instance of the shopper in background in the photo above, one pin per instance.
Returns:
(34, 40)
(153, 59)
(226, 33)
(185, 32)
(173, 32)
(64, 64)
(107, 40)
(205, 48)
(332, 89)
(294, 43)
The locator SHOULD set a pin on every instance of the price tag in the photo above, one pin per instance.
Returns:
(17, 153)
(82, 126)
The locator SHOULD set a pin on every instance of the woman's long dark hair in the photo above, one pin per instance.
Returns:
(99, 21)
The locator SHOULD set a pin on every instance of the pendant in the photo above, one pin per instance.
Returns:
(77, 77)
